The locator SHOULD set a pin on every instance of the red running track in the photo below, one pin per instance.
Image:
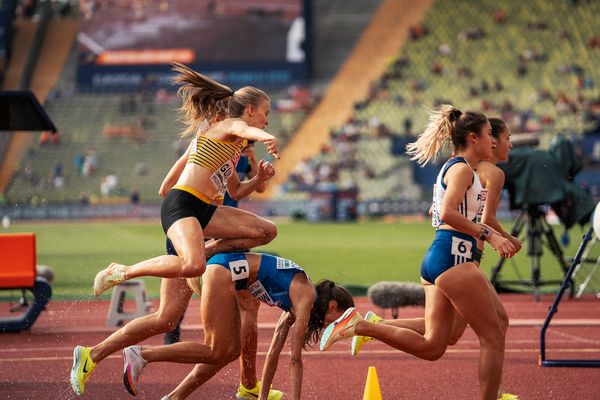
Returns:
(35, 365)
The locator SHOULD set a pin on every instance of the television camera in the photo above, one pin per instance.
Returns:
(537, 181)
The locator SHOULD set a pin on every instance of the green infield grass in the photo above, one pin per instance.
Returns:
(354, 254)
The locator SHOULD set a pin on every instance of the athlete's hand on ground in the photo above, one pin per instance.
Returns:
(265, 171)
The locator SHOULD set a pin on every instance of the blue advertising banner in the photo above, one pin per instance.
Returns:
(131, 45)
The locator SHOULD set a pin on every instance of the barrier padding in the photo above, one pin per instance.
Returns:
(17, 260)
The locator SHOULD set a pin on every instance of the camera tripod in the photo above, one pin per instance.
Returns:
(538, 231)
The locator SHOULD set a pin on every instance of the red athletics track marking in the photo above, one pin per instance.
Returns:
(35, 365)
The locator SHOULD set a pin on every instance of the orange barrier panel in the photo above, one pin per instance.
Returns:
(17, 260)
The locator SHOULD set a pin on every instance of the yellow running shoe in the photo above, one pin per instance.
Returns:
(82, 368)
(508, 396)
(244, 393)
(341, 328)
(358, 341)
(108, 277)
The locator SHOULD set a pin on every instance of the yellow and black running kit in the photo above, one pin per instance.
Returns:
(220, 158)
(213, 154)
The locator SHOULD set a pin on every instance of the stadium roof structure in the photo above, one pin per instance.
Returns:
(20, 110)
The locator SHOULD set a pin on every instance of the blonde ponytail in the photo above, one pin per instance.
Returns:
(438, 131)
(203, 98)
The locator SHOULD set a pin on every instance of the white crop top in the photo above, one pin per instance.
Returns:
(471, 206)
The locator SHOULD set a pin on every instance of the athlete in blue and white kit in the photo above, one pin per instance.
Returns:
(274, 281)
(492, 179)
(452, 281)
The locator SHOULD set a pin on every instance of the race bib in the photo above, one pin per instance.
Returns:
(284, 263)
(481, 197)
(258, 291)
(435, 216)
(239, 269)
(223, 173)
(461, 247)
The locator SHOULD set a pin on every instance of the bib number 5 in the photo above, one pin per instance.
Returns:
(239, 269)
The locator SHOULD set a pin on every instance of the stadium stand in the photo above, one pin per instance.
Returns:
(46, 66)
(130, 140)
(352, 82)
(533, 63)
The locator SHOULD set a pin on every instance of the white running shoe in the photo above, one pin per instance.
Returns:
(132, 369)
(108, 277)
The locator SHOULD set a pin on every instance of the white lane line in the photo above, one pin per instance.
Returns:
(330, 353)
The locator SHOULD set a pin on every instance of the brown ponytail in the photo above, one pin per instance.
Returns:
(326, 291)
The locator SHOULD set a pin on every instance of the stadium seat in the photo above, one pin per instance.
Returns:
(18, 260)
(18, 271)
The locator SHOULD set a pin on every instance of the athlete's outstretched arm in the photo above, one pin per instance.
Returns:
(281, 331)
(238, 127)
(296, 366)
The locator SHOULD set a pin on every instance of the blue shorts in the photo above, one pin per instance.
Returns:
(449, 248)
(272, 285)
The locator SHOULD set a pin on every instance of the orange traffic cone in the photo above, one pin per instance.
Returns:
(372, 391)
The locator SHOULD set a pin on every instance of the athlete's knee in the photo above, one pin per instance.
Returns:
(269, 231)
(154, 324)
(234, 353)
(454, 340)
(227, 353)
(504, 322)
(434, 348)
(493, 338)
(456, 335)
(192, 267)
(434, 353)
(167, 321)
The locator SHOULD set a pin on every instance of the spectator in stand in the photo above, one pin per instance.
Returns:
(54, 137)
(49, 137)
(44, 138)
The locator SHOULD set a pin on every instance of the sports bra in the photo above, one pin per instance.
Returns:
(474, 200)
(219, 157)
(213, 154)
